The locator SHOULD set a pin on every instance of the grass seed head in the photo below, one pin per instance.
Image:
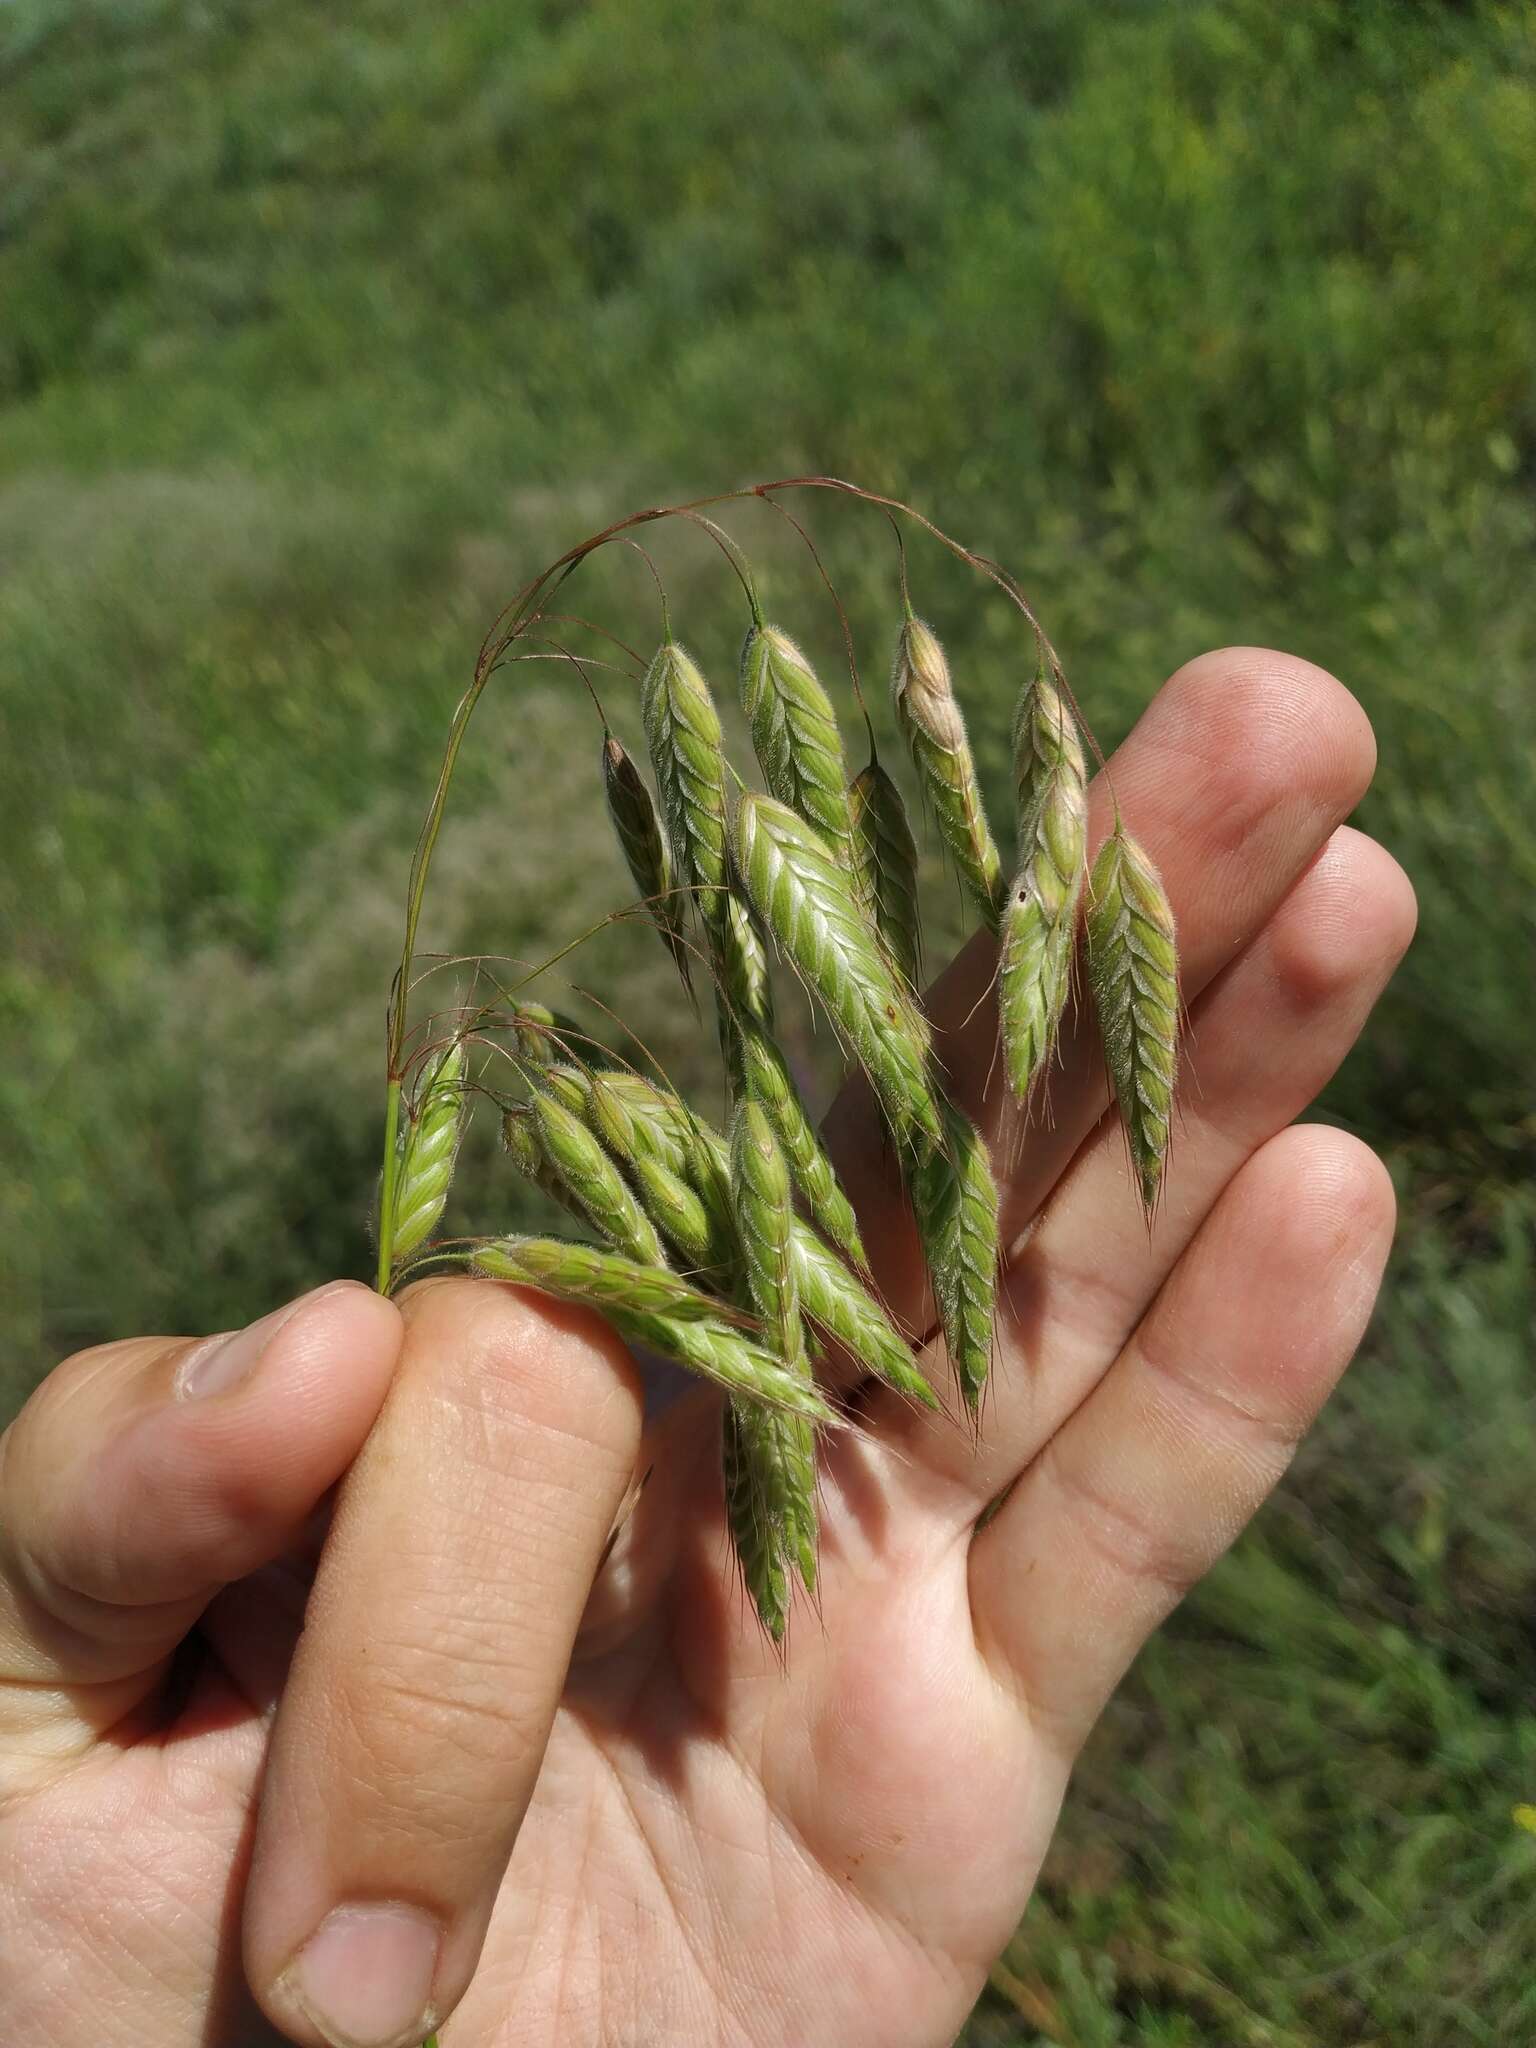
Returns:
(658, 1310)
(768, 1082)
(795, 733)
(845, 1310)
(682, 731)
(804, 899)
(594, 1181)
(644, 848)
(884, 869)
(1039, 937)
(931, 721)
(429, 1145)
(635, 1119)
(1133, 971)
(755, 1528)
(954, 1201)
(764, 1201)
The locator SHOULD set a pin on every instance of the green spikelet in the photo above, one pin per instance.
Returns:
(639, 834)
(695, 1228)
(543, 1035)
(1040, 921)
(834, 1299)
(520, 1141)
(842, 1307)
(429, 1144)
(636, 1119)
(1133, 970)
(794, 732)
(885, 869)
(954, 1200)
(931, 720)
(753, 1526)
(767, 1080)
(659, 1310)
(682, 732)
(594, 1182)
(570, 1086)
(779, 1450)
(803, 898)
(746, 989)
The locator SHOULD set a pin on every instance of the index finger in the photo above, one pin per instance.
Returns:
(466, 1540)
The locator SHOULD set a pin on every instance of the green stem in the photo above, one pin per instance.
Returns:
(387, 1188)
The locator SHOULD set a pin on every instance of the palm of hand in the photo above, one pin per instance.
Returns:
(720, 1849)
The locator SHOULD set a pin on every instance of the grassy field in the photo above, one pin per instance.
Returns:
(1217, 322)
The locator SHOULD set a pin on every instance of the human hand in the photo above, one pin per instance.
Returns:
(709, 1848)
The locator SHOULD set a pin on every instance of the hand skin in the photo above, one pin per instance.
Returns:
(708, 1848)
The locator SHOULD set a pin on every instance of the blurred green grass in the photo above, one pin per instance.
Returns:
(1215, 321)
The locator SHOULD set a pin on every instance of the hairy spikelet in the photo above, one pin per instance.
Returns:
(594, 1182)
(767, 1080)
(834, 1299)
(570, 1086)
(764, 1204)
(644, 848)
(884, 869)
(794, 731)
(694, 1228)
(543, 1034)
(931, 720)
(429, 1144)
(1039, 939)
(745, 992)
(778, 1451)
(658, 1310)
(520, 1141)
(845, 1310)
(1133, 970)
(635, 1119)
(954, 1201)
(682, 731)
(755, 1529)
(803, 898)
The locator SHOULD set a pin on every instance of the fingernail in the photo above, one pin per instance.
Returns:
(364, 1977)
(221, 1362)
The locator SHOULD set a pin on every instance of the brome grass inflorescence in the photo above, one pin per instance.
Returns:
(742, 1258)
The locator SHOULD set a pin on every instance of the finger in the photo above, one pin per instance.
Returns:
(1264, 1039)
(1150, 1480)
(1233, 779)
(464, 1544)
(144, 1475)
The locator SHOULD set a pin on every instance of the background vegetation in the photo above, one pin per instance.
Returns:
(1216, 319)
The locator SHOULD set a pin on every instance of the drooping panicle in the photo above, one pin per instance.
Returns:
(934, 727)
(639, 833)
(1133, 971)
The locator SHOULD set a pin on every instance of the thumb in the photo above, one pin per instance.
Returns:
(143, 1476)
